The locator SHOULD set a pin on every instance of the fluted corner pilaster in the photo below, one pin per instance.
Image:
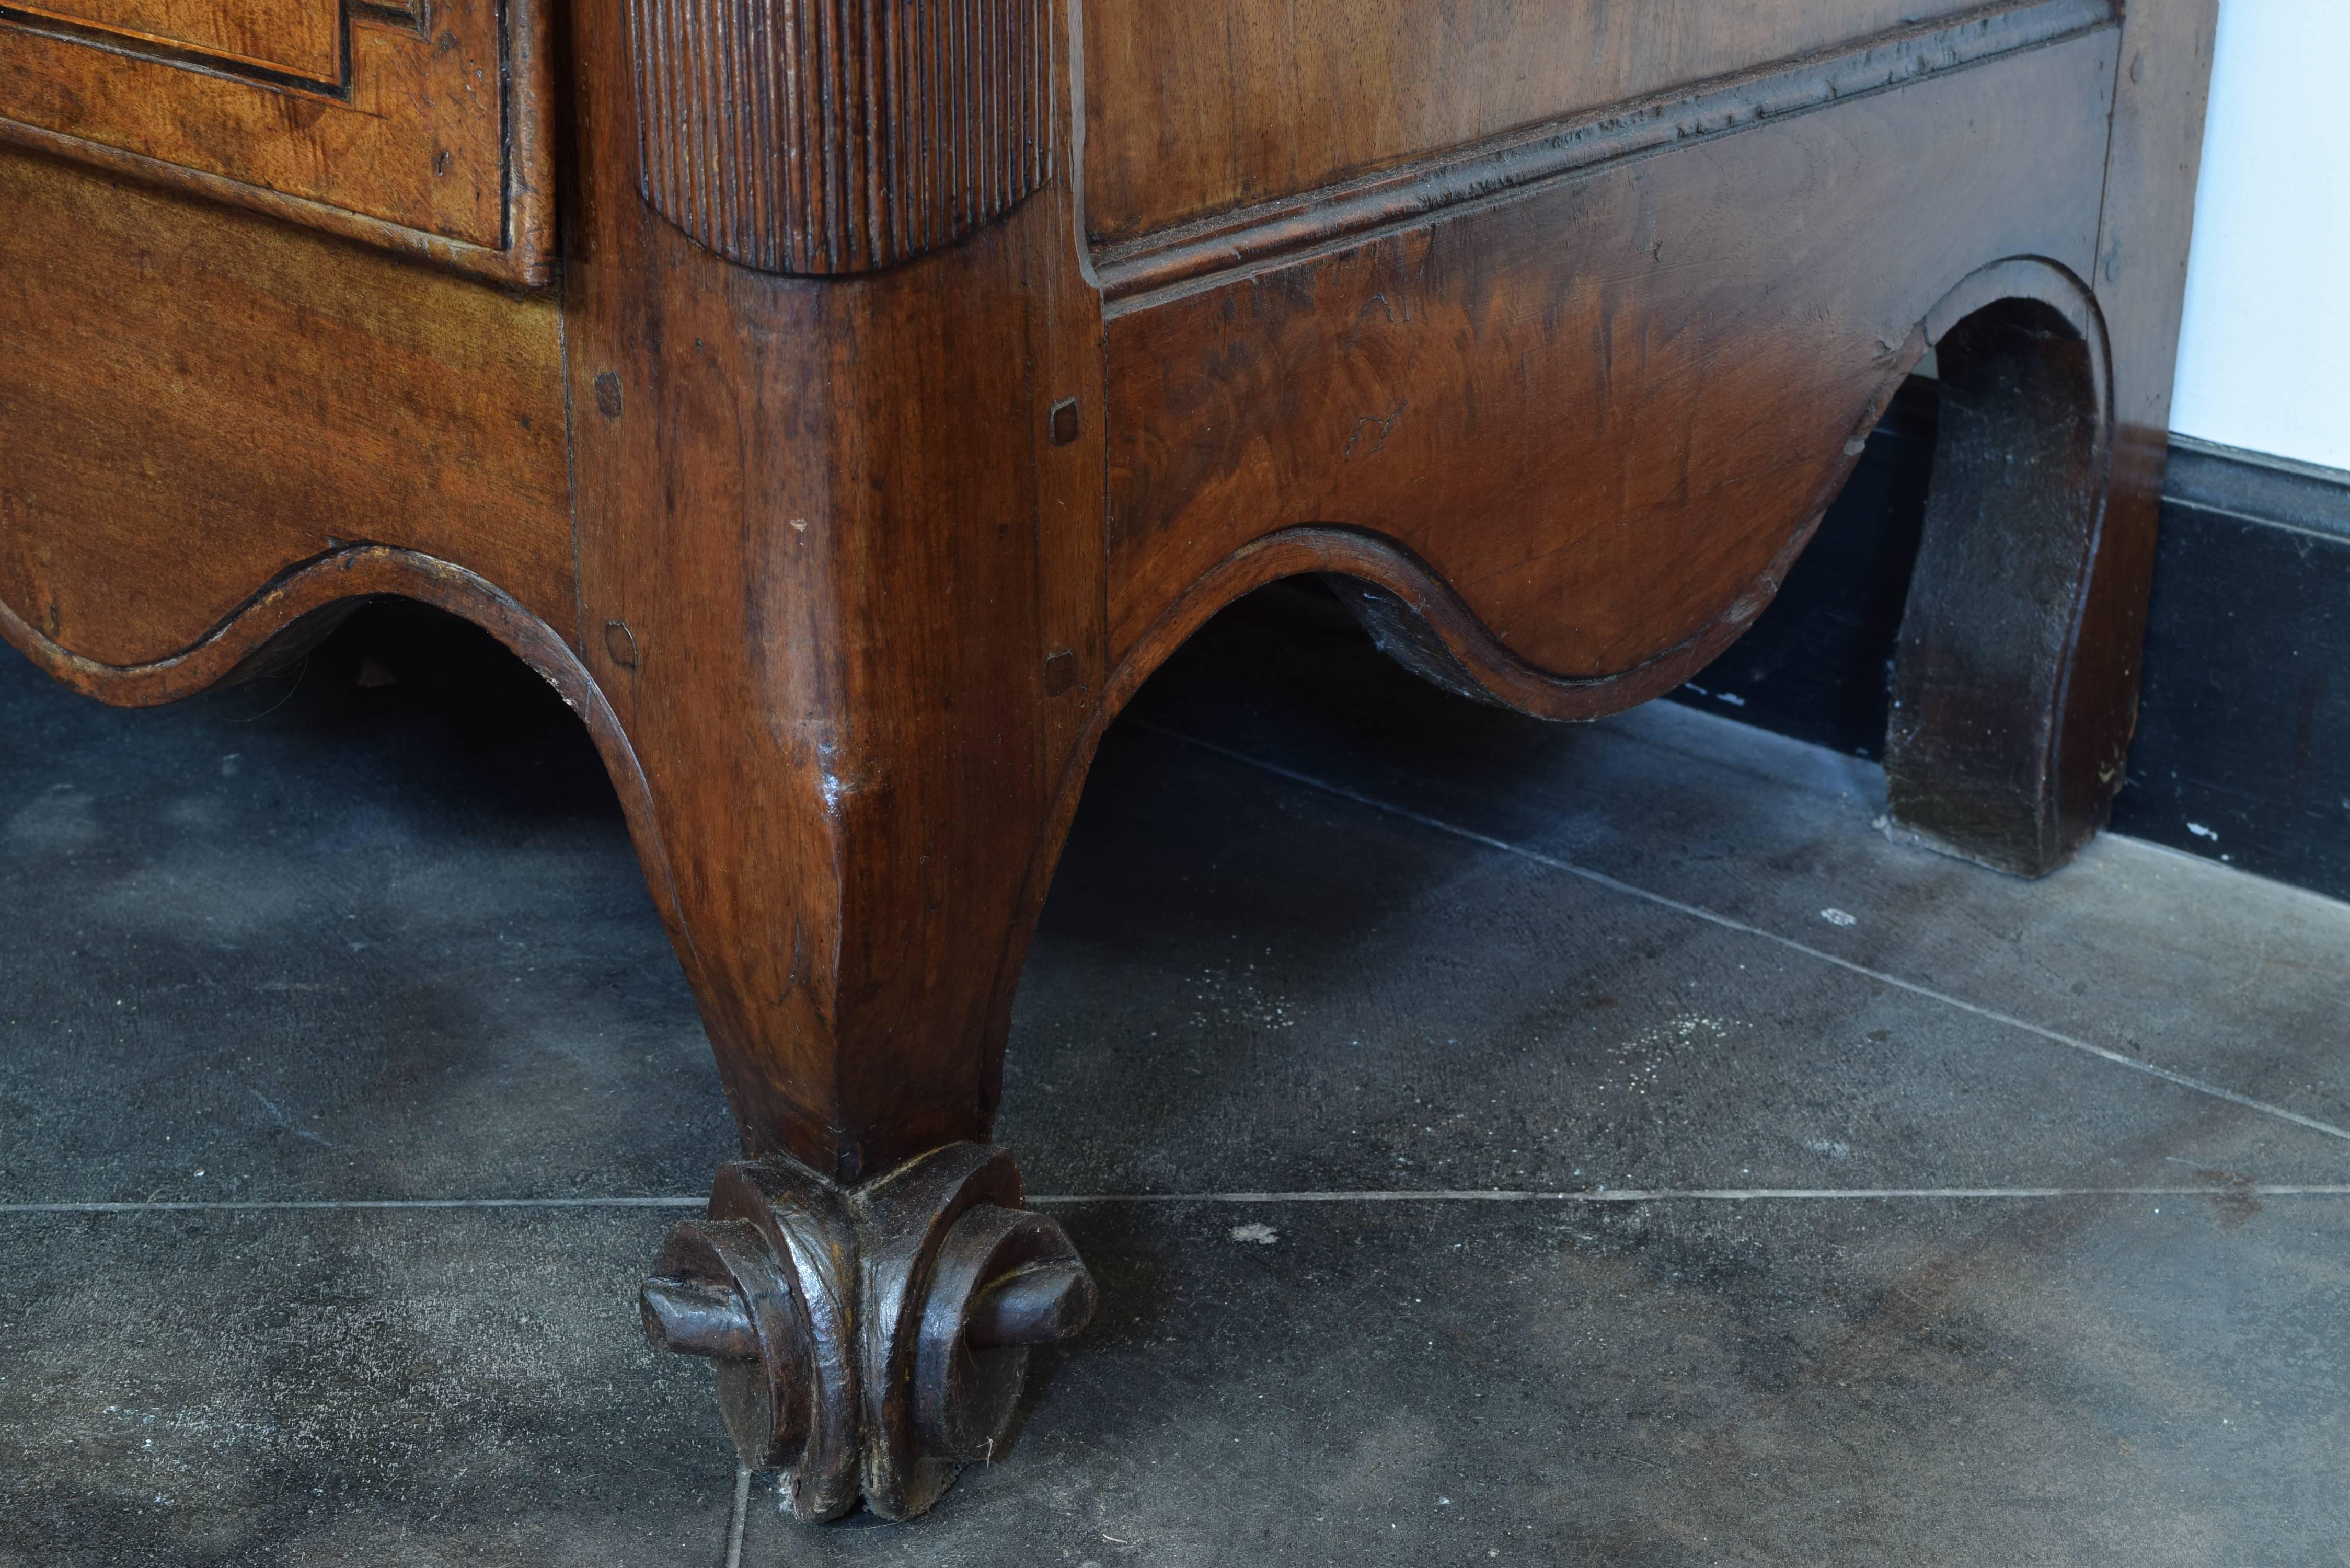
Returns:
(829, 136)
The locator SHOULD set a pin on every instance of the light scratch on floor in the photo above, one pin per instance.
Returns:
(1695, 912)
(279, 1117)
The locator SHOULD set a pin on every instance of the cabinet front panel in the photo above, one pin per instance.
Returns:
(292, 37)
(410, 125)
(198, 398)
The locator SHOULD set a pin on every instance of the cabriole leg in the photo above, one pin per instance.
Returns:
(841, 558)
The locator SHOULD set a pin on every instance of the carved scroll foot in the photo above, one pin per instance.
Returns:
(870, 1340)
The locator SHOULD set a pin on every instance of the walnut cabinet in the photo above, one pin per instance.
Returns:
(846, 403)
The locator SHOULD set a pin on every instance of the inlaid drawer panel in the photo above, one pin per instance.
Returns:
(414, 124)
(299, 39)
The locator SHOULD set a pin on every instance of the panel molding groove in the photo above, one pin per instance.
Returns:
(1190, 257)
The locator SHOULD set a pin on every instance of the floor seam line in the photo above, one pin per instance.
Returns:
(1727, 922)
(1371, 1195)
(1707, 1194)
(303, 1205)
(738, 1517)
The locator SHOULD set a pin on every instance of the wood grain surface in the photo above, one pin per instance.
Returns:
(1194, 108)
(846, 574)
(436, 143)
(1483, 172)
(836, 550)
(293, 38)
(1600, 411)
(199, 398)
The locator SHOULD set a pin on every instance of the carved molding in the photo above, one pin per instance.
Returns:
(838, 135)
(1153, 267)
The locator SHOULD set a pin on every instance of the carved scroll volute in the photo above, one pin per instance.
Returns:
(839, 136)
(870, 1341)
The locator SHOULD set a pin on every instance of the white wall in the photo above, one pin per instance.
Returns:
(2265, 360)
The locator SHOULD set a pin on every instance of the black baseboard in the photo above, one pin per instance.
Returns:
(2243, 752)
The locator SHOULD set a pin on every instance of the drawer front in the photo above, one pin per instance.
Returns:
(412, 123)
(300, 39)
(1200, 107)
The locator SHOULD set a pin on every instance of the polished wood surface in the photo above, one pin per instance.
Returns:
(847, 485)
(1670, 365)
(202, 398)
(831, 649)
(430, 140)
(1196, 107)
(301, 38)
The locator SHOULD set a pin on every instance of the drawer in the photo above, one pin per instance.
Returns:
(413, 124)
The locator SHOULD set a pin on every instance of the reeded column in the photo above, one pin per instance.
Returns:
(823, 137)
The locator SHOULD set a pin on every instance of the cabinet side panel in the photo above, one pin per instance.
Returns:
(1198, 108)
(1599, 412)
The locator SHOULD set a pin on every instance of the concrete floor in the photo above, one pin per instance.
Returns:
(1600, 1147)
